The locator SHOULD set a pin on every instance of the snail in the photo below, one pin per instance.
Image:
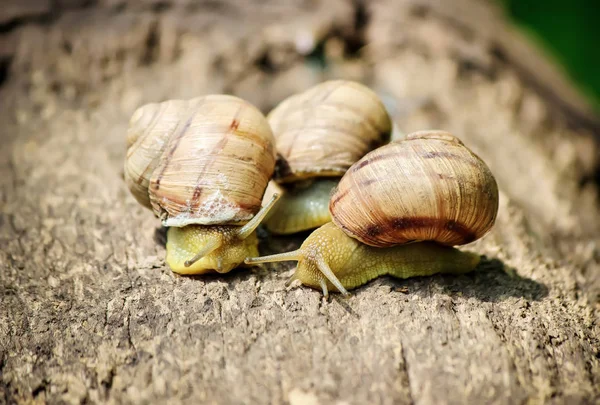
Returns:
(319, 134)
(202, 166)
(398, 211)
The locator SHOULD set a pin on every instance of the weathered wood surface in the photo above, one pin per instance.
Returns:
(88, 311)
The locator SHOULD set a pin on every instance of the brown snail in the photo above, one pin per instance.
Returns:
(319, 134)
(202, 166)
(398, 211)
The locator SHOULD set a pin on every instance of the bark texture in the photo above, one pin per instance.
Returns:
(89, 312)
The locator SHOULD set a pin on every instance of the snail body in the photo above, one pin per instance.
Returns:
(198, 249)
(330, 260)
(301, 207)
(202, 166)
(319, 134)
(408, 202)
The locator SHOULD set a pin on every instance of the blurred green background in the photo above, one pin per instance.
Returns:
(569, 31)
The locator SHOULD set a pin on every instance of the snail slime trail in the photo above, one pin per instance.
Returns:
(202, 166)
(345, 120)
(405, 225)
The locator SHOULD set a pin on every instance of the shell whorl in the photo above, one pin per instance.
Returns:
(202, 161)
(324, 130)
(428, 187)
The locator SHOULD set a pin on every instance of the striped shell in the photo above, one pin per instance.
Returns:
(203, 161)
(427, 187)
(324, 130)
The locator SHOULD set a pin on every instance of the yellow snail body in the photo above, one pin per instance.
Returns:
(199, 249)
(319, 134)
(202, 166)
(332, 261)
(407, 203)
(303, 206)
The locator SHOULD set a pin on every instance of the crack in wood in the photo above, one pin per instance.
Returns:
(405, 369)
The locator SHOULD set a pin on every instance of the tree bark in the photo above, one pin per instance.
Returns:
(90, 313)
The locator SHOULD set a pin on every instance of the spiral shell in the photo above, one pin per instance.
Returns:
(429, 187)
(203, 161)
(324, 130)
(149, 129)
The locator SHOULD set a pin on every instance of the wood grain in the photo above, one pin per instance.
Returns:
(89, 313)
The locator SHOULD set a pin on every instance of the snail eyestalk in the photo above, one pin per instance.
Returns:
(257, 219)
(294, 255)
(208, 248)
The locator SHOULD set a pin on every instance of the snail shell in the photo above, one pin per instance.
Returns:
(149, 129)
(319, 134)
(203, 161)
(429, 187)
(324, 130)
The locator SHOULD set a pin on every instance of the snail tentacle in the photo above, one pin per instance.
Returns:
(326, 271)
(294, 255)
(206, 249)
(324, 288)
(251, 226)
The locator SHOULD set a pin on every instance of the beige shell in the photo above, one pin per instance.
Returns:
(324, 130)
(203, 161)
(149, 129)
(427, 187)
